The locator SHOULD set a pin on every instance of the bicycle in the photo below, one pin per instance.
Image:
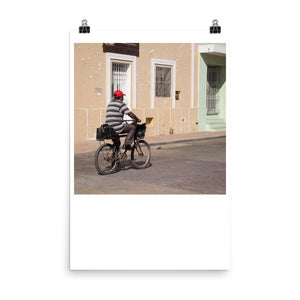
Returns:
(108, 157)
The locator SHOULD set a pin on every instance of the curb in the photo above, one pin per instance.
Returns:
(187, 140)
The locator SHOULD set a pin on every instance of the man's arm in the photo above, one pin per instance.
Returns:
(133, 116)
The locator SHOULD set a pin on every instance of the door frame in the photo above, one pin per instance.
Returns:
(127, 59)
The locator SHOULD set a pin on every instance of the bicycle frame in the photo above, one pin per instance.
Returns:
(136, 141)
(139, 149)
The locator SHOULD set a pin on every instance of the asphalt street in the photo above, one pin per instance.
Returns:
(196, 167)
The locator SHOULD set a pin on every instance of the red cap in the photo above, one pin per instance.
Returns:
(119, 93)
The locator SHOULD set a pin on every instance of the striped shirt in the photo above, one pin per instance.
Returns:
(114, 114)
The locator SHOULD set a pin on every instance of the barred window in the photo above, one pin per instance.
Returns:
(163, 82)
(212, 90)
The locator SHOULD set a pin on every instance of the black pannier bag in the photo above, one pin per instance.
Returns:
(140, 130)
(104, 132)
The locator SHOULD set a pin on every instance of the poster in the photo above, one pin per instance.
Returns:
(162, 207)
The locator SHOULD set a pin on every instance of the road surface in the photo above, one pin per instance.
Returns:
(196, 167)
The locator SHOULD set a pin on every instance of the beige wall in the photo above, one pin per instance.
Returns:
(90, 90)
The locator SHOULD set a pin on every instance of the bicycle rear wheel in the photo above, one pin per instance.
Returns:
(140, 154)
(105, 159)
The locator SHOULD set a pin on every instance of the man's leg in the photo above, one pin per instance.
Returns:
(117, 142)
(130, 129)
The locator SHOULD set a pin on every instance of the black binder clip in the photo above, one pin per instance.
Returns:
(84, 28)
(215, 28)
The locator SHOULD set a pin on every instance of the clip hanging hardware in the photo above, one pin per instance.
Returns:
(215, 28)
(84, 28)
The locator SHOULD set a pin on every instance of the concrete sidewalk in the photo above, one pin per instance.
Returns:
(156, 140)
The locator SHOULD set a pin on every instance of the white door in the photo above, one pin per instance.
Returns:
(121, 80)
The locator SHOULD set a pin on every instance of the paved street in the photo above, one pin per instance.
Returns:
(196, 167)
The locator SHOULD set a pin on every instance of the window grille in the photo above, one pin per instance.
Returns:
(212, 90)
(163, 82)
(119, 73)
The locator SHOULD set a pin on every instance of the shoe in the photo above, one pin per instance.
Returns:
(128, 147)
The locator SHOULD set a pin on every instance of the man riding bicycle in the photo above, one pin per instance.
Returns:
(114, 118)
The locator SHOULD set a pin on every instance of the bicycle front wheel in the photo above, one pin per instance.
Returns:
(105, 159)
(140, 154)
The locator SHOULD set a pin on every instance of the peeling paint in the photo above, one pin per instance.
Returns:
(100, 64)
(98, 91)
